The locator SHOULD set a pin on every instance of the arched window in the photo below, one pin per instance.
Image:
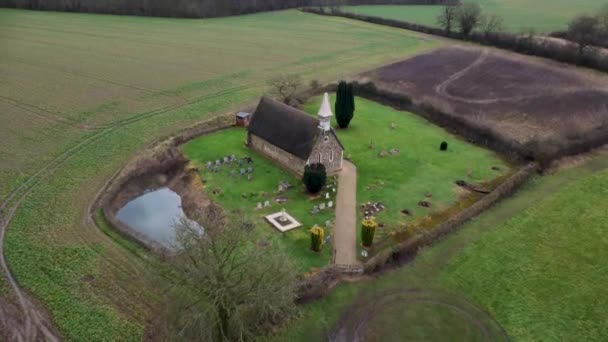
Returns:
(331, 156)
(320, 158)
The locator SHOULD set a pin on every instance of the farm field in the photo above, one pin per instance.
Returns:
(518, 98)
(508, 268)
(124, 82)
(518, 15)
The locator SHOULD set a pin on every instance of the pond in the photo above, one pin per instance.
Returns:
(154, 215)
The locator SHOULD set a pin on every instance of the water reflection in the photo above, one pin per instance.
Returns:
(154, 215)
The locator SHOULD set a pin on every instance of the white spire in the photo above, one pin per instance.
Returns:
(325, 110)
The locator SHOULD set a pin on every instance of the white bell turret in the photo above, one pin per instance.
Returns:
(325, 114)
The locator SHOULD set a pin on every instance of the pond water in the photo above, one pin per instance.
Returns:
(154, 215)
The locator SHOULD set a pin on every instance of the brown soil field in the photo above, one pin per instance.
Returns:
(520, 98)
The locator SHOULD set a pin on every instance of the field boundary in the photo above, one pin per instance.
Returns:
(523, 44)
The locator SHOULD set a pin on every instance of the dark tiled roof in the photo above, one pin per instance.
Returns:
(285, 127)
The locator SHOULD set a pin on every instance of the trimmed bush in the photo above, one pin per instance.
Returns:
(316, 238)
(314, 177)
(345, 104)
(368, 229)
(443, 146)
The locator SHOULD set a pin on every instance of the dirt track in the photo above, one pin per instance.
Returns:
(520, 98)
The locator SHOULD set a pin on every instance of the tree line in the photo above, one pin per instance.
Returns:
(191, 8)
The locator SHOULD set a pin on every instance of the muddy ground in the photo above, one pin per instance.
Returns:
(523, 99)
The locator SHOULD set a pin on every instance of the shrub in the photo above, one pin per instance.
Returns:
(368, 228)
(314, 177)
(443, 146)
(316, 238)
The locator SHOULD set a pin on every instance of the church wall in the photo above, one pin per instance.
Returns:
(324, 149)
(280, 156)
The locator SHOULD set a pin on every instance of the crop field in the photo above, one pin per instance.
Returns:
(518, 98)
(518, 15)
(82, 93)
(529, 269)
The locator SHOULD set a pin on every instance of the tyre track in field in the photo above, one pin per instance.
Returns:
(36, 323)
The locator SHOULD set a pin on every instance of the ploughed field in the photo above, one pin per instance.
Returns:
(81, 93)
(521, 99)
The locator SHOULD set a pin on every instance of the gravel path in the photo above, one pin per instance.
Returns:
(345, 234)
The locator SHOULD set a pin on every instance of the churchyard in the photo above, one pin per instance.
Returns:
(403, 176)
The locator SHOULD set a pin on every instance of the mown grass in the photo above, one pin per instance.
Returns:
(93, 288)
(419, 172)
(535, 263)
(518, 15)
(236, 192)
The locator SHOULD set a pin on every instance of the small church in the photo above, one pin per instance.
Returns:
(293, 138)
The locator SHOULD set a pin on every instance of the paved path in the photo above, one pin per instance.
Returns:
(345, 230)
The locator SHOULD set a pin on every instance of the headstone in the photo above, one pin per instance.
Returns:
(259, 206)
(266, 204)
(249, 177)
(330, 204)
(322, 206)
(315, 210)
(216, 169)
(250, 169)
(327, 223)
(232, 157)
(242, 171)
(327, 239)
(327, 195)
(364, 253)
(226, 160)
(334, 189)
(233, 173)
(217, 162)
(209, 164)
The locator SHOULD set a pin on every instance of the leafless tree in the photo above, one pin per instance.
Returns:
(447, 18)
(284, 88)
(468, 17)
(229, 286)
(491, 24)
(602, 17)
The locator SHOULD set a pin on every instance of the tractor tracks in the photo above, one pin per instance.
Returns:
(36, 323)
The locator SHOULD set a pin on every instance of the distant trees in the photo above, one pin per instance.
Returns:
(315, 177)
(468, 16)
(491, 23)
(345, 104)
(447, 18)
(285, 88)
(584, 30)
(228, 286)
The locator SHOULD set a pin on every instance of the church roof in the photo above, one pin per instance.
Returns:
(285, 127)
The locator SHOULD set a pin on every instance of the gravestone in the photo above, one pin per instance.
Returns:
(217, 162)
(322, 206)
(233, 173)
(327, 195)
(259, 206)
(209, 164)
(250, 169)
(315, 210)
(266, 204)
(242, 171)
(327, 223)
(330, 204)
(216, 169)
(249, 177)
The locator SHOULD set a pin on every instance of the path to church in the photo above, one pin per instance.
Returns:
(345, 233)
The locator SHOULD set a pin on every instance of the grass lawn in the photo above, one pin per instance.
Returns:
(266, 178)
(518, 15)
(420, 169)
(535, 262)
(82, 93)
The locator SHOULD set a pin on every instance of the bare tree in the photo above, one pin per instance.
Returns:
(447, 18)
(230, 287)
(469, 17)
(284, 88)
(584, 31)
(491, 24)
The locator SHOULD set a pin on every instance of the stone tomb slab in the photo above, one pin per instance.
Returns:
(283, 226)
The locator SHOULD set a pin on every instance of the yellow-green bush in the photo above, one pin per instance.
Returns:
(368, 229)
(316, 238)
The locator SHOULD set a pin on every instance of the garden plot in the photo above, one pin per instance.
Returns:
(519, 98)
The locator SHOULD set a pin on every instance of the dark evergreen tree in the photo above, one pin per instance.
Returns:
(314, 177)
(345, 104)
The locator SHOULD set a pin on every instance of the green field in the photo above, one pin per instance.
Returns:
(81, 94)
(536, 263)
(399, 181)
(518, 15)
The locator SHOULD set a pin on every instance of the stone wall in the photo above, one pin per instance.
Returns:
(285, 159)
(330, 152)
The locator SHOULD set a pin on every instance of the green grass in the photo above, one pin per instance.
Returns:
(97, 69)
(536, 263)
(420, 169)
(518, 15)
(266, 177)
